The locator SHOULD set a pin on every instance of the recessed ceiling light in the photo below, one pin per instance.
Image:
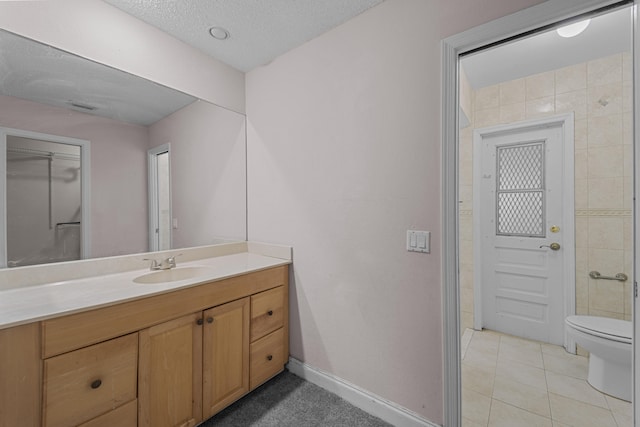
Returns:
(219, 33)
(573, 30)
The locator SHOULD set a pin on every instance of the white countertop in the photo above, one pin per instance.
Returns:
(27, 304)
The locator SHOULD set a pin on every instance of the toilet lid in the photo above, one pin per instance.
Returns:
(614, 329)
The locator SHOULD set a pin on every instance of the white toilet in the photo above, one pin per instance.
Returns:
(608, 342)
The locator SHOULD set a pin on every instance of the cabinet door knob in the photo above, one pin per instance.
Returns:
(95, 384)
(209, 319)
(269, 357)
(270, 312)
(199, 321)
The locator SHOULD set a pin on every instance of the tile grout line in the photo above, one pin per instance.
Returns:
(495, 374)
(546, 382)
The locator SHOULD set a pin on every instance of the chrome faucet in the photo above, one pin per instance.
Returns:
(165, 264)
(168, 263)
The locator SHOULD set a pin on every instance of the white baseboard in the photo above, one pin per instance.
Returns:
(368, 402)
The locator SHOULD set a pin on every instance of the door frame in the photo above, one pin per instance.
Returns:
(545, 14)
(565, 121)
(85, 186)
(152, 189)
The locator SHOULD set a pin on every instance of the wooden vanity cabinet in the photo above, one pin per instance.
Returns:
(193, 366)
(20, 376)
(169, 377)
(173, 359)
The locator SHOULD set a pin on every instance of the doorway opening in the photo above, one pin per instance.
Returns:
(45, 181)
(599, 101)
(160, 220)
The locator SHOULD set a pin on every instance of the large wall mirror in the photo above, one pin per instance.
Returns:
(76, 139)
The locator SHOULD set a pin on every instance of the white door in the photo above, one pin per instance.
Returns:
(521, 248)
(160, 220)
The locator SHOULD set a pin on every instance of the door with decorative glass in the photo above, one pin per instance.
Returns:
(520, 194)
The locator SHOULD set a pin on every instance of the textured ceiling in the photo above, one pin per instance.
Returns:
(260, 30)
(40, 73)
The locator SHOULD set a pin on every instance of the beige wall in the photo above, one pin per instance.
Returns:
(599, 93)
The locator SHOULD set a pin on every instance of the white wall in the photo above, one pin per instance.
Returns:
(208, 178)
(343, 158)
(98, 31)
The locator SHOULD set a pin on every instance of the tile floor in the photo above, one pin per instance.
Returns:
(510, 381)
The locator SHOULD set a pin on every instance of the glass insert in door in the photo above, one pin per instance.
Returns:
(520, 190)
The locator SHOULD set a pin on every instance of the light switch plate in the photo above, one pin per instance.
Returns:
(419, 241)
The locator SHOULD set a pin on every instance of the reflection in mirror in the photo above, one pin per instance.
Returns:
(52, 92)
(44, 227)
(159, 198)
(164, 202)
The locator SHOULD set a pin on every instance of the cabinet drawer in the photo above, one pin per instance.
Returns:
(267, 312)
(124, 416)
(86, 383)
(267, 358)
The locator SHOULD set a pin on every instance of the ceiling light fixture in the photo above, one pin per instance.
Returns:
(219, 33)
(573, 30)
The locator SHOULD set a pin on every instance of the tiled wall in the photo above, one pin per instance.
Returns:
(599, 93)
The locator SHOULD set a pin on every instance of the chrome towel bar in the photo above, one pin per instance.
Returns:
(620, 276)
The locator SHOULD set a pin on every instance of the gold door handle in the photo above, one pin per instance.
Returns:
(554, 246)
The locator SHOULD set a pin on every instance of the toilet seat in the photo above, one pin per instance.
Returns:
(603, 327)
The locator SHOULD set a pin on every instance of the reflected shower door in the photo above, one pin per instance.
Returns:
(44, 203)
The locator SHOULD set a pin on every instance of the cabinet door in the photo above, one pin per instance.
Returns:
(170, 375)
(226, 355)
(20, 376)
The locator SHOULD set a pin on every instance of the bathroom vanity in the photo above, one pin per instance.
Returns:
(155, 354)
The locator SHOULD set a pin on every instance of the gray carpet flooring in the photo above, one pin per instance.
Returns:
(290, 401)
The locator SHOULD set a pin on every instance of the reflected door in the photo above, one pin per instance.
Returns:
(160, 222)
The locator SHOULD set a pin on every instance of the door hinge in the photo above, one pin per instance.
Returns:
(635, 289)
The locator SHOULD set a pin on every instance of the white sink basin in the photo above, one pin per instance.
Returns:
(173, 275)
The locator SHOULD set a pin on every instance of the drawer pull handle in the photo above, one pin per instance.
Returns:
(200, 321)
(95, 384)
(270, 312)
(269, 357)
(209, 319)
